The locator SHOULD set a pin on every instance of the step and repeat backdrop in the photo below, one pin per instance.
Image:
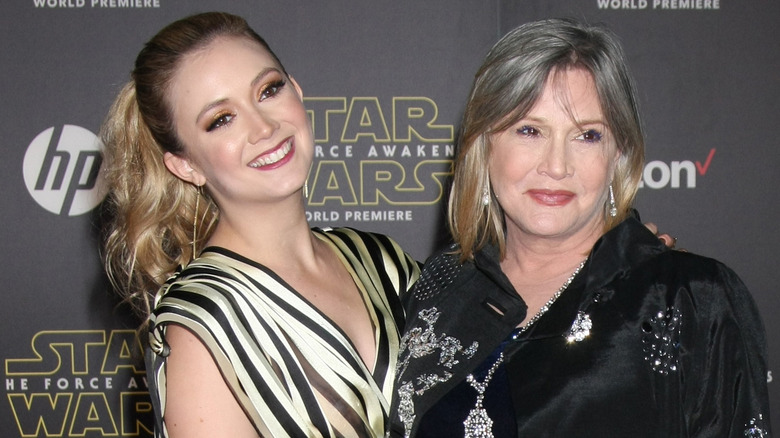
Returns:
(385, 83)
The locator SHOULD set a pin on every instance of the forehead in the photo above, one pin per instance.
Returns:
(221, 56)
(572, 90)
(220, 69)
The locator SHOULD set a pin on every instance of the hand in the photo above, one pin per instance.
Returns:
(668, 240)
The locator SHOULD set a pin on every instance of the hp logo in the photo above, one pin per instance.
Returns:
(62, 170)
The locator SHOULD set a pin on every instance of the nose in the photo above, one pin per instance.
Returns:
(261, 125)
(554, 160)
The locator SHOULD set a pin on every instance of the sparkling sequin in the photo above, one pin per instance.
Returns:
(580, 328)
(755, 428)
(417, 343)
(437, 275)
(406, 406)
(428, 381)
(478, 423)
(661, 340)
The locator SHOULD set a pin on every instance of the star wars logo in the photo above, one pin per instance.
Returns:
(402, 159)
(80, 383)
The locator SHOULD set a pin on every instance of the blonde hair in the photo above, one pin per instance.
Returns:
(151, 214)
(507, 86)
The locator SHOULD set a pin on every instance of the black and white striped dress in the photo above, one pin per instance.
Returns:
(294, 372)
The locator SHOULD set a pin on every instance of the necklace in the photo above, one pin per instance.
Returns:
(478, 423)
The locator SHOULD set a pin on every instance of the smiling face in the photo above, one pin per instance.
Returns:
(551, 170)
(241, 120)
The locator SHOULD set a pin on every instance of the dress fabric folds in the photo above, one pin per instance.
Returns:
(293, 371)
(645, 342)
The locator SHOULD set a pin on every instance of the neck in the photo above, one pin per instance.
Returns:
(271, 234)
(535, 263)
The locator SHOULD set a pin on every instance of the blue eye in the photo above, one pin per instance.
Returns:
(220, 121)
(272, 89)
(590, 136)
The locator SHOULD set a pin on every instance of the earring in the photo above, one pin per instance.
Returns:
(198, 191)
(306, 189)
(612, 206)
(485, 196)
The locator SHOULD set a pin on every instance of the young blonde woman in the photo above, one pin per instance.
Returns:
(259, 325)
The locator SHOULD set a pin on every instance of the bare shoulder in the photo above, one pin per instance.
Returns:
(199, 402)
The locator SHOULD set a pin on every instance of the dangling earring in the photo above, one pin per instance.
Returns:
(198, 190)
(486, 195)
(612, 206)
(306, 189)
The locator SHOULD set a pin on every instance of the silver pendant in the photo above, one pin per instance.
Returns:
(478, 424)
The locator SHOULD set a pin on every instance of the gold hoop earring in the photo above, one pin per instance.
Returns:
(198, 191)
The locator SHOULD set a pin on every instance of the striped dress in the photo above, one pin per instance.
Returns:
(294, 372)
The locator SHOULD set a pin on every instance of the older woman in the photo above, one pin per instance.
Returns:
(556, 313)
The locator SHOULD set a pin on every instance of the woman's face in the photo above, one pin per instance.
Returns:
(241, 120)
(551, 170)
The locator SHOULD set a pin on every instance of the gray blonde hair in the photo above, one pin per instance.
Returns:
(506, 87)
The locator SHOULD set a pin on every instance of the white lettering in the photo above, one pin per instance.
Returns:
(378, 215)
(622, 4)
(686, 4)
(678, 167)
(322, 216)
(59, 3)
(658, 174)
(124, 3)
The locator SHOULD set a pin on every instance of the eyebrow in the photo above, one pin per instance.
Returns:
(577, 122)
(260, 76)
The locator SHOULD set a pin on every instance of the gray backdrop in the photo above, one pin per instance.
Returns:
(385, 84)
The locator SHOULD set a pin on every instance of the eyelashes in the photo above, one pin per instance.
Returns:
(268, 91)
(590, 136)
(272, 89)
(528, 131)
(587, 136)
(219, 121)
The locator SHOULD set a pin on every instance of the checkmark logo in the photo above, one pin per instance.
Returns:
(702, 168)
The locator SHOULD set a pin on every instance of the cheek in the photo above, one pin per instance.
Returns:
(506, 178)
(510, 167)
(597, 176)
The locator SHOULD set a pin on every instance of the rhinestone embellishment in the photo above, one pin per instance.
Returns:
(580, 328)
(754, 429)
(418, 343)
(661, 340)
(478, 423)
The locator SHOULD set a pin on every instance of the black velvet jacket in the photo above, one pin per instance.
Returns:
(676, 347)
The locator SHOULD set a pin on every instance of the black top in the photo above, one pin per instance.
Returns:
(676, 347)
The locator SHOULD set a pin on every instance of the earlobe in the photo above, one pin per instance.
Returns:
(182, 169)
